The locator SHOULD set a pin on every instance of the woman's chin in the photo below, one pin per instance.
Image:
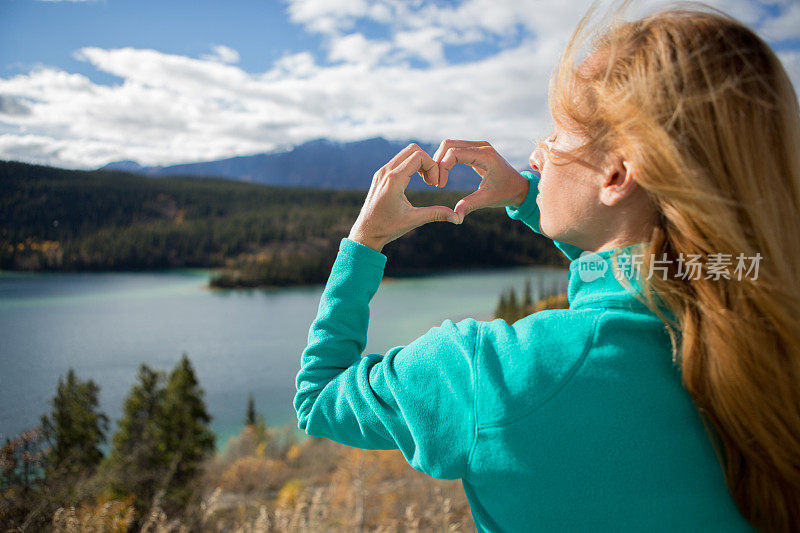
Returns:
(543, 229)
(551, 233)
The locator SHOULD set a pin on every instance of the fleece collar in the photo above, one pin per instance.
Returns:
(594, 282)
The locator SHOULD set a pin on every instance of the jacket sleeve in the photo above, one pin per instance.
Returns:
(417, 398)
(528, 213)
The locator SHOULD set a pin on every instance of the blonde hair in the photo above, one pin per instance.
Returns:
(705, 114)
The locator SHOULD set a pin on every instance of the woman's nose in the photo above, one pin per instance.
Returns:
(535, 160)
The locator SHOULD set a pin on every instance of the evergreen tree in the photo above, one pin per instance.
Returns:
(513, 307)
(162, 439)
(188, 438)
(250, 417)
(75, 429)
(20, 482)
(139, 458)
(502, 307)
(527, 298)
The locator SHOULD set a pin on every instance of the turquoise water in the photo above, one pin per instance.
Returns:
(104, 325)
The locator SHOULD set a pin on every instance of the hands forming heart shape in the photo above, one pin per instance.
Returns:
(387, 214)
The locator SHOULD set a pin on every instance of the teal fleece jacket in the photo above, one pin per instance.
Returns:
(566, 420)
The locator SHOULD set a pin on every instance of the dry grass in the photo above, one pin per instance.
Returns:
(338, 488)
(104, 515)
(258, 484)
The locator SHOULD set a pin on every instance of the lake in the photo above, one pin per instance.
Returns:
(240, 341)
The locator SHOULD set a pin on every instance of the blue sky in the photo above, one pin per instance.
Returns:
(41, 32)
(83, 83)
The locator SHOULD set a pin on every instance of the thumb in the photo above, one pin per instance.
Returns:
(435, 213)
(470, 203)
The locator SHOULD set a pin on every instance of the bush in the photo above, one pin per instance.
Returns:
(254, 475)
(290, 493)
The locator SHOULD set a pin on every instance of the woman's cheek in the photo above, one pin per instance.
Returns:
(544, 205)
(544, 215)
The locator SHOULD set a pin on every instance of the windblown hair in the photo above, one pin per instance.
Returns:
(704, 112)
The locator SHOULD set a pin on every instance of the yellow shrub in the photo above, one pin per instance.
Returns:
(105, 515)
(290, 493)
(261, 449)
(293, 453)
(251, 474)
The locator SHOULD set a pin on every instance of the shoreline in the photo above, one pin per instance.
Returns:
(209, 272)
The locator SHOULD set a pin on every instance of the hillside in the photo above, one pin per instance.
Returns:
(66, 220)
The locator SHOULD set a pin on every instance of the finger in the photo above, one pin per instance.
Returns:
(434, 213)
(401, 156)
(471, 202)
(417, 161)
(454, 143)
(474, 156)
(425, 178)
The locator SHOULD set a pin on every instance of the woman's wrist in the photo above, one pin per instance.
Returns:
(361, 239)
(520, 199)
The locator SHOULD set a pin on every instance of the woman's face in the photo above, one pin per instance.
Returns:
(568, 193)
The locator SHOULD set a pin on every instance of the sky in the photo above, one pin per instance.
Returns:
(87, 82)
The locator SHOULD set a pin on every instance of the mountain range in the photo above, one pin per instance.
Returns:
(320, 163)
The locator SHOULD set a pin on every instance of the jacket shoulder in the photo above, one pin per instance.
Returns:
(521, 365)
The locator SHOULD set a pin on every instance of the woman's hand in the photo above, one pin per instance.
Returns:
(500, 185)
(387, 214)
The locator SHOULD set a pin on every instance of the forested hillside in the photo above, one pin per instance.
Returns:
(55, 219)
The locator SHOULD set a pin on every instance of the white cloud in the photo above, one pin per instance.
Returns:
(426, 43)
(784, 26)
(222, 54)
(355, 48)
(327, 16)
(169, 108)
(791, 62)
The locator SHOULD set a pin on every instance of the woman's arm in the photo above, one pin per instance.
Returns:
(528, 213)
(418, 398)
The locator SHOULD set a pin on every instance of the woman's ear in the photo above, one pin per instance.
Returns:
(617, 181)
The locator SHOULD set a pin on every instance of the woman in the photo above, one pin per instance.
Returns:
(665, 397)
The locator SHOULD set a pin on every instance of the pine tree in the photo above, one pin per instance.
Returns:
(250, 417)
(20, 483)
(188, 438)
(500, 310)
(162, 439)
(513, 307)
(527, 298)
(139, 459)
(75, 429)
